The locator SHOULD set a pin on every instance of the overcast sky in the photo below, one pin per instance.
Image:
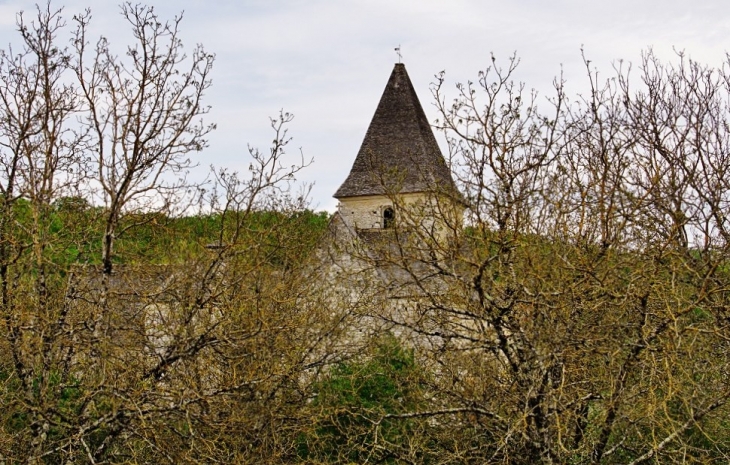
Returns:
(327, 62)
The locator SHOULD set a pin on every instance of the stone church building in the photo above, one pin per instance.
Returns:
(387, 248)
(399, 159)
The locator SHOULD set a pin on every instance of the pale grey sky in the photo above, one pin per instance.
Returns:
(327, 61)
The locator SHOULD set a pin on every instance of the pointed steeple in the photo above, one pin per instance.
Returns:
(399, 149)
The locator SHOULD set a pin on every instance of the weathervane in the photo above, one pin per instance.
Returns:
(397, 50)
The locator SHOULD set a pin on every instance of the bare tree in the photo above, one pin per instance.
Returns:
(203, 361)
(580, 316)
(143, 114)
(39, 162)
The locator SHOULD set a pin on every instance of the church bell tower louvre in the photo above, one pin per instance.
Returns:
(399, 159)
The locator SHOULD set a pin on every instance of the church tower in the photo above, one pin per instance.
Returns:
(399, 163)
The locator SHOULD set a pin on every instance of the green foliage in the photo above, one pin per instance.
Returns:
(354, 400)
(74, 229)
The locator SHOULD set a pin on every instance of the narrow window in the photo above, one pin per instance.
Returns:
(388, 217)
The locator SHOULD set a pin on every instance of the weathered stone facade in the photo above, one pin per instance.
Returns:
(371, 211)
(397, 206)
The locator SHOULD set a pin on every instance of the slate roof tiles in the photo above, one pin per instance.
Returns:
(399, 153)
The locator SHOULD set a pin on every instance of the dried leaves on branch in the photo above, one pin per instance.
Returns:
(583, 311)
(578, 314)
(195, 358)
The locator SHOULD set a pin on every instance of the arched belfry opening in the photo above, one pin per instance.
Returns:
(388, 217)
(399, 158)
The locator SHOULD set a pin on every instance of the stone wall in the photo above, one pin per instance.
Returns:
(366, 212)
